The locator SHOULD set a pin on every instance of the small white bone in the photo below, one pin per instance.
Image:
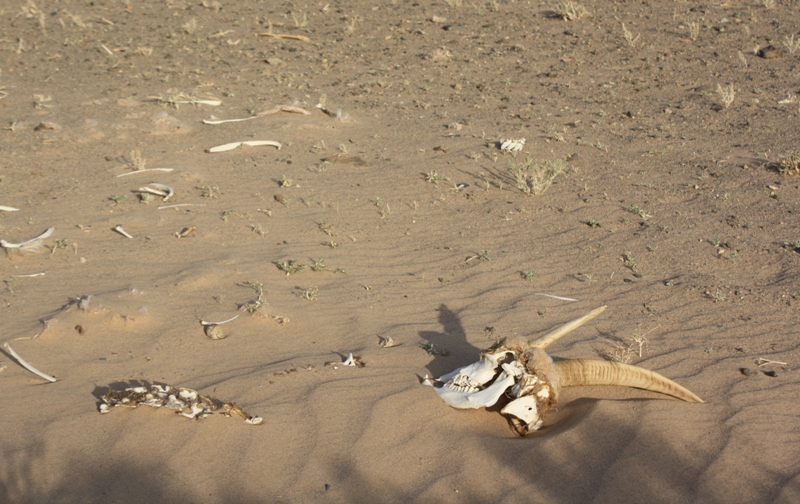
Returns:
(8, 209)
(118, 229)
(206, 323)
(145, 170)
(249, 143)
(170, 191)
(223, 121)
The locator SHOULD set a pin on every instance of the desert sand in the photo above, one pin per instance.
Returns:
(390, 211)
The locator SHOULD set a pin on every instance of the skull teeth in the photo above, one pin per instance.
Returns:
(461, 388)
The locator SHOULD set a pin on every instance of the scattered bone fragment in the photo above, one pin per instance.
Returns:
(28, 245)
(8, 209)
(512, 144)
(186, 402)
(165, 191)
(353, 361)
(249, 143)
(118, 229)
(146, 170)
(215, 122)
(388, 342)
(27, 366)
(183, 233)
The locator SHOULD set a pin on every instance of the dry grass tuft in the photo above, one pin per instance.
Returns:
(570, 11)
(726, 94)
(791, 164)
(534, 177)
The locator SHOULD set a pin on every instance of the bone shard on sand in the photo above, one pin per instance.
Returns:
(185, 402)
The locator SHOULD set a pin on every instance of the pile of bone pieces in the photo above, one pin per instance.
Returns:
(186, 402)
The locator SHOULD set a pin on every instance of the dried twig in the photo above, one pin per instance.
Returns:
(146, 170)
(285, 36)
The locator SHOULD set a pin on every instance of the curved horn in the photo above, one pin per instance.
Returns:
(598, 372)
(552, 336)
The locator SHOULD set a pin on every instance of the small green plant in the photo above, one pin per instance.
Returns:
(794, 245)
(209, 191)
(534, 177)
(641, 212)
(331, 244)
(290, 266)
(285, 182)
(434, 178)
(529, 275)
(59, 244)
(325, 228)
(310, 293)
(432, 350)
(116, 198)
(253, 305)
(630, 262)
(384, 207)
(593, 223)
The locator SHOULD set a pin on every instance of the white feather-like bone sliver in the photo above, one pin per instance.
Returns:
(42, 236)
(248, 143)
(27, 366)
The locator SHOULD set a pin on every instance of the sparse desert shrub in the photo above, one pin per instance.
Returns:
(726, 94)
(570, 11)
(791, 164)
(534, 177)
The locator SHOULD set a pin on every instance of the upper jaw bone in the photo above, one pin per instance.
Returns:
(478, 373)
(473, 398)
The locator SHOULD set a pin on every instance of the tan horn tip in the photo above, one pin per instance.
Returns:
(555, 334)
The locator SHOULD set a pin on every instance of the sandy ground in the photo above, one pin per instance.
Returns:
(673, 212)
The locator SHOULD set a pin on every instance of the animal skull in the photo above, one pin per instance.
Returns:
(529, 377)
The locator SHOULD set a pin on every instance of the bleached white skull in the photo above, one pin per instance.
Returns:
(531, 380)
